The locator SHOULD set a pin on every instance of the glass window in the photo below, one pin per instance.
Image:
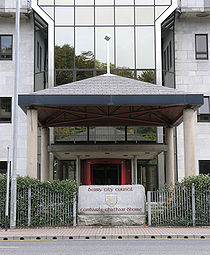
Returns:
(64, 2)
(146, 76)
(63, 77)
(81, 75)
(124, 2)
(125, 47)
(204, 111)
(84, 16)
(102, 2)
(104, 15)
(204, 166)
(49, 11)
(145, 53)
(162, 2)
(3, 167)
(5, 109)
(84, 47)
(170, 54)
(64, 47)
(124, 15)
(144, 15)
(64, 16)
(46, 2)
(84, 2)
(144, 2)
(5, 47)
(201, 46)
(101, 60)
(159, 11)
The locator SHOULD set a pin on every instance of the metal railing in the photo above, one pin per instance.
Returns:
(41, 207)
(179, 206)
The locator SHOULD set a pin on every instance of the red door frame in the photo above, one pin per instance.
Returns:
(121, 162)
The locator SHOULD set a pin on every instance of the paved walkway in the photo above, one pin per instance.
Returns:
(105, 233)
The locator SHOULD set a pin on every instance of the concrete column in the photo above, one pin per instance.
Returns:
(78, 170)
(44, 154)
(32, 142)
(189, 142)
(170, 179)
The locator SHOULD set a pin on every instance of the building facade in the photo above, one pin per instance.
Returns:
(157, 41)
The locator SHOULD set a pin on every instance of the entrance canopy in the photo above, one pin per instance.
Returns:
(110, 100)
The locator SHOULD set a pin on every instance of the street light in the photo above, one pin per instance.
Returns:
(107, 38)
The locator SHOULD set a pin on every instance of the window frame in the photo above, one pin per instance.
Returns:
(201, 52)
(7, 59)
(7, 121)
(206, 116)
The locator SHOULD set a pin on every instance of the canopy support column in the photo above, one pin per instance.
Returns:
(32, 142)
(170, 156)
(44, 154)
(189, 142)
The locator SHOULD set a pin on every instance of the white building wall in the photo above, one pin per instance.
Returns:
(7, 73)
(192, 76)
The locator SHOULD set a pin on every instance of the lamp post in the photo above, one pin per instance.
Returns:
(15, 121)
(107, 38)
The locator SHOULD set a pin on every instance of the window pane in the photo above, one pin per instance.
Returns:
(162, 2)
(49, 11)
(46, 2)
(64, 47)
(81, 75)
(125, 50)
(124, 2)
(101, 60)
(144, 15)
(64, 16)
(84, 47)
(144, 2)
(104, 15)
(63, 77)
(84, 2)
(5, 109)
(102, 2)
(146, 76)
(84, 16)
(6, 47)
(204, 109)
(124, 15)
(201, 45)
(3, 167)
(64, 2)
(145, 48)
(159, 11)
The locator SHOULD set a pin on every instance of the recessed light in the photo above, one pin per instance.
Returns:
(107, 153)
(202, 14)
(66, 153)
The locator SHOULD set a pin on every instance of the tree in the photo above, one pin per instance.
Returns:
(147, 76)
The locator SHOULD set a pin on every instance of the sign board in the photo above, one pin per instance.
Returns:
(123, 199)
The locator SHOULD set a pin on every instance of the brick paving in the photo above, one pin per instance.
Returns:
(109, 232)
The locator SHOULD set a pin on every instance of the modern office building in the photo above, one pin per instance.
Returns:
(164, 42)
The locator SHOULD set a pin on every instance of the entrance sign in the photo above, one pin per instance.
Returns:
(115, 199)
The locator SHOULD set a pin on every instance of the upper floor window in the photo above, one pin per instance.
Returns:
(204, 111)
(5, 47)
(5, 109)
(201, 46)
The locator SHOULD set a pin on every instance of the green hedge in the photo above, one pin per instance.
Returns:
(49, 201)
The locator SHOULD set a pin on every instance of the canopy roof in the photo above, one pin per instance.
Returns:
(110, 100)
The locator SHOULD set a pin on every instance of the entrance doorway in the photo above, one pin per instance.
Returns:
(106, 174)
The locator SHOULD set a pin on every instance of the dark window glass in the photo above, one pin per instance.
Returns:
(167, 63)
(204, 166)
(37, 59)
(5, 47)
(201, 46)
(3, 167)
(204, 111)
(5, 109)
(40, 58)
(170, 54)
